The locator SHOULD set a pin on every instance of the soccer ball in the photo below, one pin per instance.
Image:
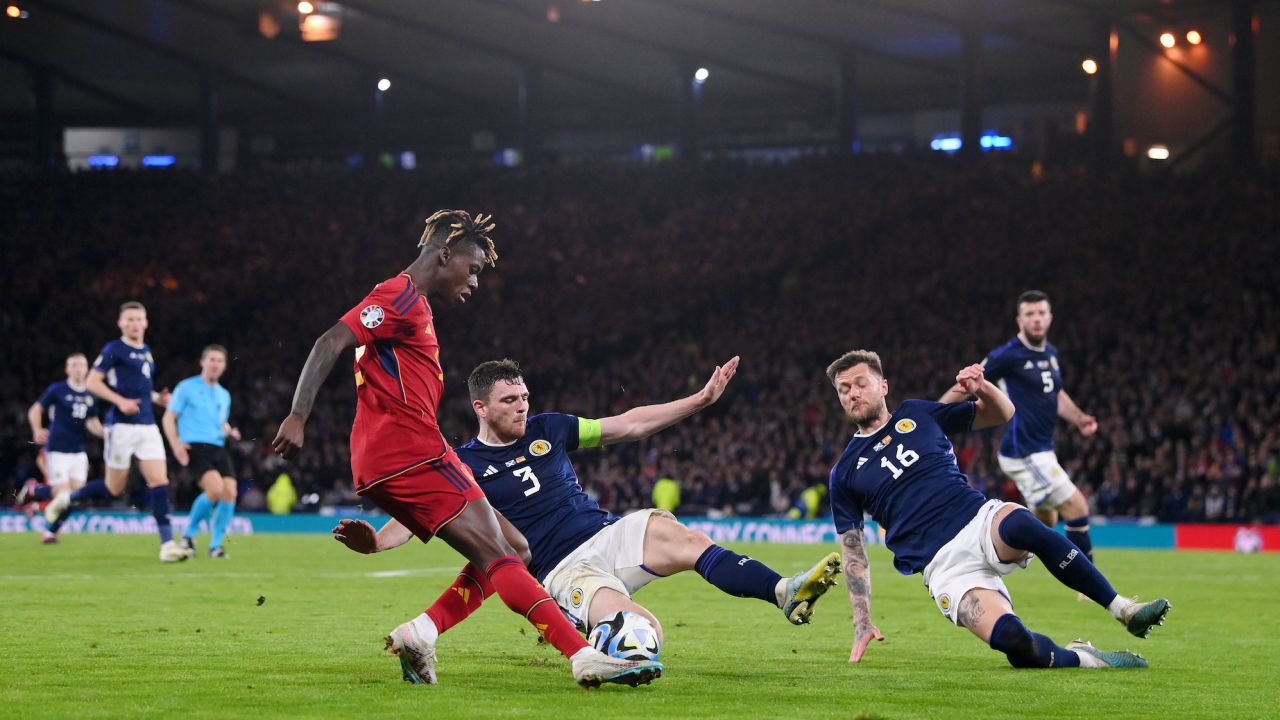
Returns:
(626, 635)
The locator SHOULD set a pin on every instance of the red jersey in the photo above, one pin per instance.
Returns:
(398, 382)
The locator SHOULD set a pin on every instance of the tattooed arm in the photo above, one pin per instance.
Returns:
(857, 576)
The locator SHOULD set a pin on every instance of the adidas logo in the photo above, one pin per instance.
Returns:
(491, 470)
(1029, 365)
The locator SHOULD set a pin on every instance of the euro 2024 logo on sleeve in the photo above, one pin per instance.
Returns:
(372, 316)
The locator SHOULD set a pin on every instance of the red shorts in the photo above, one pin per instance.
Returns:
(426, 496)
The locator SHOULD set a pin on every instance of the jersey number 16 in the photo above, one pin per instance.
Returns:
(906, 458)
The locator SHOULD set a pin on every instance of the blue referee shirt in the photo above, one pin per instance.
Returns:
(201, 409)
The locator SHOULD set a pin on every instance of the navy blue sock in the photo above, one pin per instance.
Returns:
(160, 511)
(738, 575)
(42, 493)
(92, 490)
(1024, 531)
(57, 524)
(1026, 649)
(1078, 533)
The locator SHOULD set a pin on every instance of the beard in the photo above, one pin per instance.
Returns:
(870, 414)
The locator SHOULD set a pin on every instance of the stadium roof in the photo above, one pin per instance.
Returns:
(455, 65)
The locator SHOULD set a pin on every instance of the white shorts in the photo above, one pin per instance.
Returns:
(67, 468)
(613, 558)
(968, 561)
(1041, 480)
(126, 441)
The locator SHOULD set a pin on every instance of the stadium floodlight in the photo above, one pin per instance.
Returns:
(1194, 37)
(159, 161)
(1158, 152)
(384, 84)
(1090, 66)
(14, 12)
(103, 161)
(701, 74)
(1168, 40)
(306, 8)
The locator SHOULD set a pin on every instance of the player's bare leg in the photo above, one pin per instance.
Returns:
(988, 615)
(670, 547)
(607, 602)
(61, 494)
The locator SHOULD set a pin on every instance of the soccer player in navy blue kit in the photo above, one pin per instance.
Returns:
(1028, 369)
(71, 413)
(196, 423)
(123, 375)
(900, 469)
(590, 560)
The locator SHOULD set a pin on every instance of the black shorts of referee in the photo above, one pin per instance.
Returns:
(205, 457)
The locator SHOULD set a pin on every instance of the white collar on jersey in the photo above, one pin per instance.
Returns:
(499, 445)
(877, 430)
(135, 347)
(1030, 347)
(77, 388)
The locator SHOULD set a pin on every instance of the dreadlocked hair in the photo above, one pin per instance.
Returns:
(462, 228)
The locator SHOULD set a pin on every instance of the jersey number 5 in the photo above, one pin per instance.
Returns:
(906, 458)
(1047, 377)
(526, 475)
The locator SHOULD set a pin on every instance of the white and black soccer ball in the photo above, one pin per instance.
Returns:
(626, 635)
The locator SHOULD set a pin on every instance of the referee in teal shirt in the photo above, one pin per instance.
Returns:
(196, 425)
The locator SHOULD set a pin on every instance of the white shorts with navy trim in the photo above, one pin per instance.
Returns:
(613, 558)
(1041, 480)
(969, 561)
(67, 468)
(125, 441)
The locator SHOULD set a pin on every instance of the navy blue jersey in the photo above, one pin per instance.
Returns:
(129, 370)
(904, 475)
(533, 484)
(1032, 379)
(68, 409)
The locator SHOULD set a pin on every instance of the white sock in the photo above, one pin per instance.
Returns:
(588, 650)
(1119, 605)
(426, 628)
(780, 591)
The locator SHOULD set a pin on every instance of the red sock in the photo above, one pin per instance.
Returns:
(524, 595)
(462, 598)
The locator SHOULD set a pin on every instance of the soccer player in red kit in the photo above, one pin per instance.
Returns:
(401, 462)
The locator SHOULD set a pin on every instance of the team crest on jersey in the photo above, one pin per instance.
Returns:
(883, 442)
(575, 598)
(372, 316)
(944, 602)
(905, 425)
(1054, 362)
(538, 448)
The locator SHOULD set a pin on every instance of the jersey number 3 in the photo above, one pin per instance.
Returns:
(526, 475)
(906, 458)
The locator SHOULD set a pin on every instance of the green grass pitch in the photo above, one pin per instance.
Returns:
(96, 627)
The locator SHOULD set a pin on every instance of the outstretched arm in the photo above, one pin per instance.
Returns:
(324, 353)
(1069, 411)
(857, 576)
(643, 421)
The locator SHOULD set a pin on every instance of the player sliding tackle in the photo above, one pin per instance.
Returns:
(900, 469)
(399, 459)
(590, 560)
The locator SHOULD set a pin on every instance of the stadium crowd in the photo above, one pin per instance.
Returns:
(623, 285)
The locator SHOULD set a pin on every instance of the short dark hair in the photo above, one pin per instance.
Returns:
(1030, 296)
(854, 358)
(214, 347)
(74, 355)
(481, 380)
(132, 305)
